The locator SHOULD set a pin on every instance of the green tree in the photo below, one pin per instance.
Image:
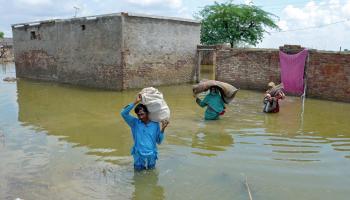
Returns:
(1, 35)
(234, 23)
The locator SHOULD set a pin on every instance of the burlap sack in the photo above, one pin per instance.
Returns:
(228, 91)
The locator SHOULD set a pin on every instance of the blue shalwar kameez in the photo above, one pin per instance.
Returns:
(146, 137)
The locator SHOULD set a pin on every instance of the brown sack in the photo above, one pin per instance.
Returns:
(275, 90)
(228, 91)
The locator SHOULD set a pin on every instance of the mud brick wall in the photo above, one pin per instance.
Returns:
(328, 73)
(158, 51)
(78, 51)
(248, 68)
(328, 76)
(115, 51)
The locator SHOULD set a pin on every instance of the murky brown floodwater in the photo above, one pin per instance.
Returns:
(62, 142)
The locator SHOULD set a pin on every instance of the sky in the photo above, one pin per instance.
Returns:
(318, 24)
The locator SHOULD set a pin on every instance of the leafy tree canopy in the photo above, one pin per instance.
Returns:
(234, 24)
(1, 35)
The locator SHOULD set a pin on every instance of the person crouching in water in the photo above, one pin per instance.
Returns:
(214, 103)
(272, 96)
(145, 133)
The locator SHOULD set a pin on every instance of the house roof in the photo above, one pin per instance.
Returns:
(108, 15)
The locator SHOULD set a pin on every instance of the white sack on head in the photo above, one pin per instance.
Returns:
(155, 103)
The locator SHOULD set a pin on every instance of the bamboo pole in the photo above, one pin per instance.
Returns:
(304, 93)
(248, 188)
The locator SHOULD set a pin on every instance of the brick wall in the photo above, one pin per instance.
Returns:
(328, 72)
(78, 51)
(113, 51)
(248, 68)
(158, 51)
(329, 76)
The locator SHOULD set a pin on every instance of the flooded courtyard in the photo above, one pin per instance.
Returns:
(64, 142)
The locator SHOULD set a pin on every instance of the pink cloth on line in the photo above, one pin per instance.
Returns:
(292, 71)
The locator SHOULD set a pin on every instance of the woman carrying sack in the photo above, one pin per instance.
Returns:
(214, 103)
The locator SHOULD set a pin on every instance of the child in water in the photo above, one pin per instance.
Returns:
(214, 103)
(146, 135)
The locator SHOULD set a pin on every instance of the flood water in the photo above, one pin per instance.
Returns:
(63, 142)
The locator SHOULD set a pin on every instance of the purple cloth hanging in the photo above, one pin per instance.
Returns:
(292, 71)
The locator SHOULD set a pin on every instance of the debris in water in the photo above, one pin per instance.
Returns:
(10, 79)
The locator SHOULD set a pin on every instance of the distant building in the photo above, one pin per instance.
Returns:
(6, 42)
(114, 51)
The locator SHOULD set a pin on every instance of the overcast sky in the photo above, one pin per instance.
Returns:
(292, 14)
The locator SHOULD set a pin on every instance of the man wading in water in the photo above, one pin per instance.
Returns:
(146, 135)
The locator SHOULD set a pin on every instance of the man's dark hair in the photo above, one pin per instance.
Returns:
(141, 107)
